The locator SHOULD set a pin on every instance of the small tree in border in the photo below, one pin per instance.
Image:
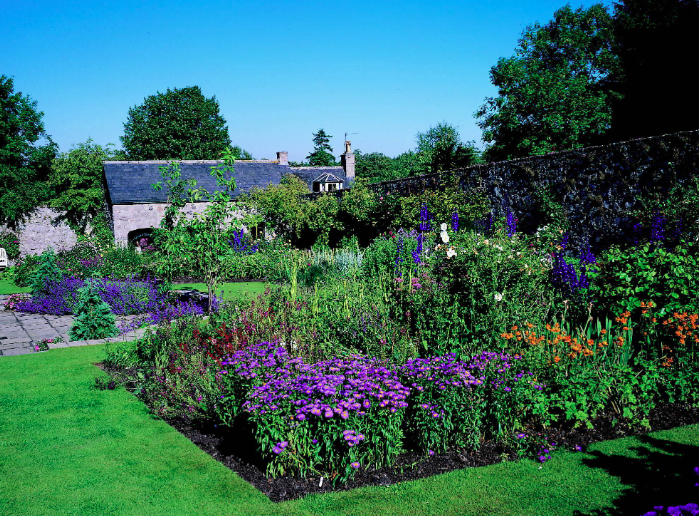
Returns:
(202, 241)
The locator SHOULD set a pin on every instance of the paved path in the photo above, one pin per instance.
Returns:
(20, 331)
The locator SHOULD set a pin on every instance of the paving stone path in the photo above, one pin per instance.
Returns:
(19, 332)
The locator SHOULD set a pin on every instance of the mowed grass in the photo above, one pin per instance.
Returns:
(231, 291)
(67, 448)
(7, 287)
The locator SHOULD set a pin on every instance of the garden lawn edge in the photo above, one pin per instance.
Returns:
(68, 448)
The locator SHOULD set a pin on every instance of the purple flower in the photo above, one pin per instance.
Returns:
(355, 465)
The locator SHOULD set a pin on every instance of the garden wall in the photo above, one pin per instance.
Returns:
(42, 229)
(597, 186)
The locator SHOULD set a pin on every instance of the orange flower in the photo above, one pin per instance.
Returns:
(603, 332)
(654, 319)
(590, 342)
(556, 359)
(530, 325)
(514, 328)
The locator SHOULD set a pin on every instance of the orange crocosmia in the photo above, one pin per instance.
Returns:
(588, 352)
(590, 342)
(530, 325)
(514, 328)
(643, 304)
(603, 332)
(625, 328)
(556, 359)
(678, 333)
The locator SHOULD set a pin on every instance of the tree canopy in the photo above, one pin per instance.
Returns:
(554, 93)
(322, 151)
(24, 163)
(178, 124)
(655, 41)
(438, 149)
(77, 181)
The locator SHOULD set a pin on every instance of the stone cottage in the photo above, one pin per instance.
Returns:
(136, 207)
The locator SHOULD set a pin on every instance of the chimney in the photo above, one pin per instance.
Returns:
(283, 157)
(347, 160)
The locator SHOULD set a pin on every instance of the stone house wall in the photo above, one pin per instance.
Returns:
(43, 229)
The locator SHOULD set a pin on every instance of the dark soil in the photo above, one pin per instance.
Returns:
(236, 449)
(219, 443)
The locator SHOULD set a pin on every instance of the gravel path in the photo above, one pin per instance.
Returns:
(20, 331)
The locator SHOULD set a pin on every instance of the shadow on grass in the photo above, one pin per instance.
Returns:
(662, 474)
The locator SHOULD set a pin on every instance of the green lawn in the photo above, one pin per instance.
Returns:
(7, 287)
(66, 448)
(231, 291)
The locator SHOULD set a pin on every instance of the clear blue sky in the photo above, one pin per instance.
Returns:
(280, 70)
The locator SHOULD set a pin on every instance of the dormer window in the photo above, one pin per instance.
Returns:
(327, 183)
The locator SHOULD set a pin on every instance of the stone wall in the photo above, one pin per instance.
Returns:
(43, 228)
(133, 217)
(598, 187)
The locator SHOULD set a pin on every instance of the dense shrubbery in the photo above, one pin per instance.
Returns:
(457, 334)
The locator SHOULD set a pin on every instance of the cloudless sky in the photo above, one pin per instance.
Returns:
(280, 70)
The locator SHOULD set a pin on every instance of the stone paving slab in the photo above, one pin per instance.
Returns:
(20, 331)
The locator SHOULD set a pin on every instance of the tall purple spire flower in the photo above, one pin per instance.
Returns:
(425, 218)
(657, 233)
(455, 221)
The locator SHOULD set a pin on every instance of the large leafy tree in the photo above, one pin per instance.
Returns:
(440, 148)
(656, 41)
(554, 93)
(77, 181)
(178, 124)
(322, 151)
(26, 152)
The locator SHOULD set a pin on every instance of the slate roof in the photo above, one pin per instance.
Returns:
(130, 182)
(311, 174)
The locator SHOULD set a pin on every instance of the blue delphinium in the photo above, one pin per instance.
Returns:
(455, 221)
(511, 223)
(399, 255)
(425, 218)
(657, 233)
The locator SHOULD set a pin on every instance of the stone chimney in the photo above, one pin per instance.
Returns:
(347, 160)
(283, 157)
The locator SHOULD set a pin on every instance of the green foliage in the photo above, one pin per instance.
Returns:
(180, 124)
(440, 148)
(667, 277)
(77, 180)
(282, 205)
(202, 242)
(93, 317)
(24, 165)
(553, 94)
(9, 241)
(322, 151)
(45, 274)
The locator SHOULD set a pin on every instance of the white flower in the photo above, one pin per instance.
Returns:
(443, 227)
(498, 297)
(445, 236)
(451, 252)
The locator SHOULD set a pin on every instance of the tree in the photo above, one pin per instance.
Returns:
(176, 125)
(654, 39)
(373, 167)
(322, 151)
(440, 148)
(77, 181)
(554, 93)
(24, 165)
(203, 241)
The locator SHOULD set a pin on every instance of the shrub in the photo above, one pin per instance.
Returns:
(10, 243)
(667, 277)
(46, 275)
(93, 317)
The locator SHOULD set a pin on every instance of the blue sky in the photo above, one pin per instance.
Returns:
(280, 70)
